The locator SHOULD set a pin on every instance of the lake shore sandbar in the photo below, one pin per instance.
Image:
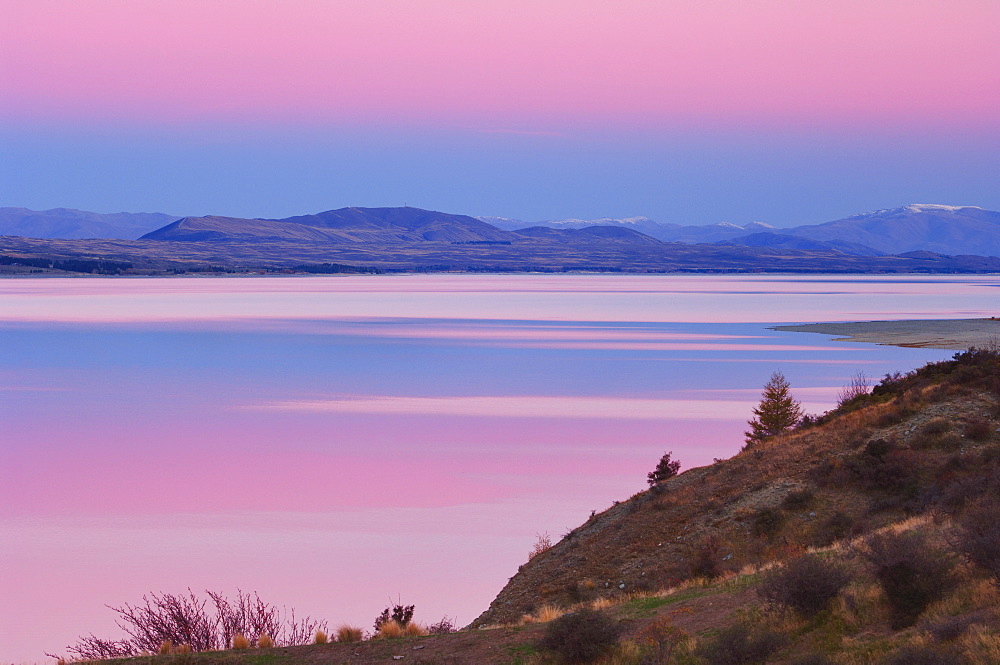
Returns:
(957, 334)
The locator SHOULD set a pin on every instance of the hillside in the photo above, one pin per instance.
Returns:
(67, 223)
(867, 535)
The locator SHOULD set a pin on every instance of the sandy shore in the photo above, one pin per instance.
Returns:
(957, 334)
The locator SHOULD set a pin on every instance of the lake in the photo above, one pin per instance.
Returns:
(337, 442)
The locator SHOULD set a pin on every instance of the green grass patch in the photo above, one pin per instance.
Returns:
(520, 653)
(646, 607)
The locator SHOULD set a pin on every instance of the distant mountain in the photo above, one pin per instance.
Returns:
(342, 225)
(658, 230)
(77, 224)
(780, 240)
(941, 229)
(590, 233)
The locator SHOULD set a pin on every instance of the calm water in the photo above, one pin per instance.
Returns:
(333, 442)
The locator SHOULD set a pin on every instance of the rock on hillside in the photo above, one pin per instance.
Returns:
(927, 441)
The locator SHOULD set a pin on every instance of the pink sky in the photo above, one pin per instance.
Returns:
(515, 65)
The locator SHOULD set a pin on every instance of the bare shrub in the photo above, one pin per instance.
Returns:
(96, 648)
(582, 636)
(203, 624)
(911, 573)
(543, 543)
(806, 585)
(858, 386)
(349, 634)
(442, 627)
(739, 645)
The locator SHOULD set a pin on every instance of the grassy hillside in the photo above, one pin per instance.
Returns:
(868, 536)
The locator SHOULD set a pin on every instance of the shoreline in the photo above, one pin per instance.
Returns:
(954, 334)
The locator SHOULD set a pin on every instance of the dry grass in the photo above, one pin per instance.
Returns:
(861, 605)
(320, 637)
(265, 641)
(981, 645)
(603, 603)
(544, 614)
(968, 596)
(347, 633)
(182, 649)
(389, 630)
(166, 646)
(414, 630)
(240, 641)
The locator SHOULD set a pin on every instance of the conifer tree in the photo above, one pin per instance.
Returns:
(777, 411)
(666, 468)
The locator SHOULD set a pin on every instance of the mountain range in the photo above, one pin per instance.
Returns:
(914, 238)
(941, 229)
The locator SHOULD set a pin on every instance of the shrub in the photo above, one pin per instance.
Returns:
(833, 528)
(798, 499)
(935, 427)
(739, 645)
(858, 387)
(912, 574)
(349, 634)
(707, 561)
(581, 636)
(766, 522)
(806, 585)
(320, 637)
(398, 612)
(542, 544)
(665, 469)
(442, 627)
(659, 639)
(978, 538)
(978, 429)
(265, 641)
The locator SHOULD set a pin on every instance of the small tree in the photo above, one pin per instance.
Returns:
(776, 413)
(666, 468)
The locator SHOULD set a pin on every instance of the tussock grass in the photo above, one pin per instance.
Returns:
(265, 641)
(240, 641)
(347, 634)
(414, 630)
(544, 614)
(389, 630)
(320, 637)
(166, 646)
